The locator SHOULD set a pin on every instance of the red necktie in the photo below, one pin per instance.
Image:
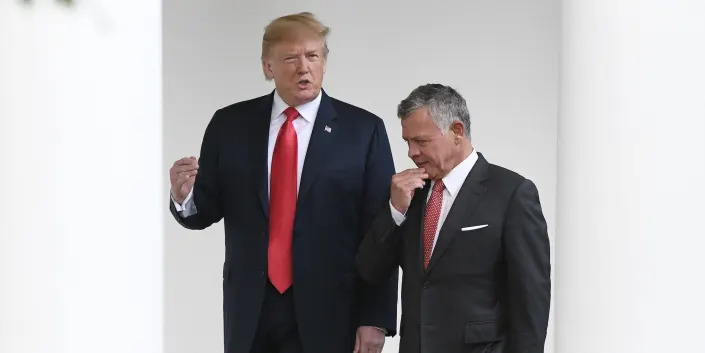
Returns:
(430, 222)
(282, 203)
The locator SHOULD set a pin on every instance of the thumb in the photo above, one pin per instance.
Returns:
(188, 185)
(357, 343)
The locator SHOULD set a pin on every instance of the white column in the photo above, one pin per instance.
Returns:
(631, 182)
(82, 184)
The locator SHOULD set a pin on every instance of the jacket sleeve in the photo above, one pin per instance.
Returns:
(378, 300)
(528, 267)
(206, 195)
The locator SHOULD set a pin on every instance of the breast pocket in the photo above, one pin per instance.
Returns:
(476, 248)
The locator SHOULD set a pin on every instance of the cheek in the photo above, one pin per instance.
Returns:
(436, 156)
(283, 71)
(430, 153)
(317, 69)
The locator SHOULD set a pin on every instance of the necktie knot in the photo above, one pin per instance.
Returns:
(438, 186)
(291, 114)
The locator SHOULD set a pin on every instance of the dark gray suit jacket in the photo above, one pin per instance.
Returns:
(485, 290)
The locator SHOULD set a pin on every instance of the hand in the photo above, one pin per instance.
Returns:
(403, 186)
(369, 339)
(183, 176)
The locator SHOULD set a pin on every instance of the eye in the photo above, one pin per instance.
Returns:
(421, 142)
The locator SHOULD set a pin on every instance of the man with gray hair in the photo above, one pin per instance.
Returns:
(470, 238)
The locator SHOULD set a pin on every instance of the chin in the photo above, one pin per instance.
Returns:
(433, 175)
(307, 95)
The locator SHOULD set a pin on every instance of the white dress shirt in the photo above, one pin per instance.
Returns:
(453, 182)
(303, 126)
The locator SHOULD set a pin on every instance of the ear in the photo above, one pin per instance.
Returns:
(458, 130)
(267, 69)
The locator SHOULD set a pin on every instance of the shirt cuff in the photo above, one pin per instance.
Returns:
(399, 217)
(188, 208)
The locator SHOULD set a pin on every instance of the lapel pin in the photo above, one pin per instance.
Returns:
(327, 128)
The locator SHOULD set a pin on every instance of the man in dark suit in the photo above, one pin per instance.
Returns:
(469, 236)
(297, 177)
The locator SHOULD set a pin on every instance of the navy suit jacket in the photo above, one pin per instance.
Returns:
(344, 183)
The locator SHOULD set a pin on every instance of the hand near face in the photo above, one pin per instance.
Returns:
(403, 186)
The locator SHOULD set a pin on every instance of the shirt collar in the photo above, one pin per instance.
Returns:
(455, 179)
(308, 111)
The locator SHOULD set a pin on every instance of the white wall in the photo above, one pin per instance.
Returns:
(631, 170)
(502, 56)
(82, 179)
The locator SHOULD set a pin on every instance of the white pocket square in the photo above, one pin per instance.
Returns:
(465, 229)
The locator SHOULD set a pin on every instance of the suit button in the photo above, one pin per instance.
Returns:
(426, 284)
(418, 323)
(261, 273)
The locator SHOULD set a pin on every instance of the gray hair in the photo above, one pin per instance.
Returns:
(445, 105)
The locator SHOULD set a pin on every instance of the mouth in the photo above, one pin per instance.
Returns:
(304, 84)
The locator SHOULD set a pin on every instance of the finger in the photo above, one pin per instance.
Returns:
(408, 186)
(421, 174)
(368, 348)
(188, 161)
(403, 183)
(184, 160)
(188, 184)
(191, 180)
(357, 344)
(184, 178)
(412, 175)
(414, 171)
(185, 168)
(178, 177)
(405, 174)
(412, 184)
(179, 184)
(181, 170)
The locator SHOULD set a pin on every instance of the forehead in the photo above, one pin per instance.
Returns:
(418, 124)
(299, 43)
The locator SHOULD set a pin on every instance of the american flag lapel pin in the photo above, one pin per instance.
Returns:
(327, 128)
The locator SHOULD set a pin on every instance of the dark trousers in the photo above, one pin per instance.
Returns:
(277, 331)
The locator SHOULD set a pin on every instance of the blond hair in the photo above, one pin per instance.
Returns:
(291, 26)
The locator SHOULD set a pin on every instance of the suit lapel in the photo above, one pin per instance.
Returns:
(465, 203)
(258, 149)
(319, 147)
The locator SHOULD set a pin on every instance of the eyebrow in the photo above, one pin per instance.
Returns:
(416, 138)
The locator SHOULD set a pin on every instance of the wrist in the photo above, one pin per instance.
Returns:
(401, 210)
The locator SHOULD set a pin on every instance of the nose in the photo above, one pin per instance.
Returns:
(302, 66)
(413, 151)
